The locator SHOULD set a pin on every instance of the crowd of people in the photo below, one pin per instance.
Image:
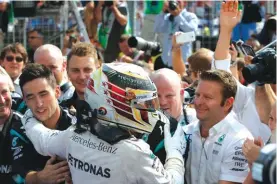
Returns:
(102, 112)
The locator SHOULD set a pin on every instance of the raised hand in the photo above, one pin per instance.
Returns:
(230, 15)
(233, 52)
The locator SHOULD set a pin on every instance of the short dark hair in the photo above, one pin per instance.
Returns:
(82, 49)
(34, 71)
(227, 81)
(15, 48)
(39, 31)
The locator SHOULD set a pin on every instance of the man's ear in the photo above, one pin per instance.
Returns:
(58, 91)
(229, 103)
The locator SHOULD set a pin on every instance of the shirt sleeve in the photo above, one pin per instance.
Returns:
(222, 64)
(234, 166)
(187, 22)
(47, 142)
(147, 168)
(162, 23)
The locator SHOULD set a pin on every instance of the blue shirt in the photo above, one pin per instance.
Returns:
(184, 22)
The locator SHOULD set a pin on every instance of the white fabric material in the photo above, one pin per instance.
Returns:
(91, 159)
(244, 105)
(175, 145)
(219, 156)
(17, 87)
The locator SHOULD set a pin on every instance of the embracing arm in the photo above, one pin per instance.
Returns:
(46, 141)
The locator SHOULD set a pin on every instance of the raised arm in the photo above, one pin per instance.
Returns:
(178, 63)
(98, 11)
(230, 16)
(120, 14)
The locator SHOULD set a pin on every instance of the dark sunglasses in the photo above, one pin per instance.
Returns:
(11, 58)
(33, 37)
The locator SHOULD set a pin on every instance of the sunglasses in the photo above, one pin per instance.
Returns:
(34, 37)
(11, 58)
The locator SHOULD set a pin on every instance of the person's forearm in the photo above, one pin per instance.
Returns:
(223, 44)
(178, 62)
(119, 17)
(249, 179)
(98, 13)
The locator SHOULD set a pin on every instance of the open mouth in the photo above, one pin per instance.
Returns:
(40, 111)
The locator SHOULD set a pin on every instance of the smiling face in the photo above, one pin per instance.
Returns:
(79, 70)
(13, 64)
(208, 102)
(41, 98)
(5, 99)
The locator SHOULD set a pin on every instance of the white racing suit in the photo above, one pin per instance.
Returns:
(92, 160)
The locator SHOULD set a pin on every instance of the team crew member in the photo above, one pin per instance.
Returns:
(215, 141)
(7, 118)
(171, 95)
(124, 103)
(42, 101)
(51, 57)
(81, 62)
